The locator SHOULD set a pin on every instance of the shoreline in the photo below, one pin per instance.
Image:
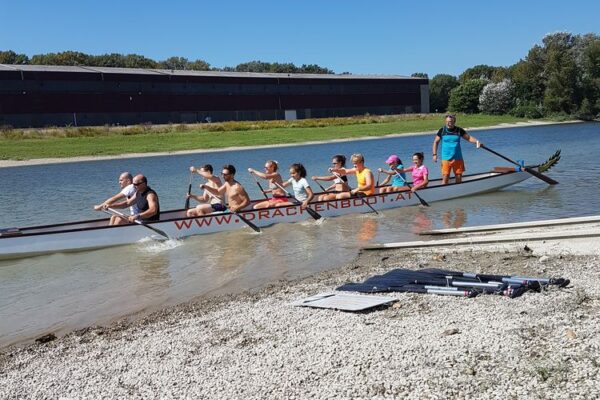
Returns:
(423, 346)
(44, 161)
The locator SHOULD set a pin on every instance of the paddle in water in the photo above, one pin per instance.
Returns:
(135, 221)
(533, 172)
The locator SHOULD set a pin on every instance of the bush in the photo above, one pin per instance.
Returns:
(527, 110)
(497, 98)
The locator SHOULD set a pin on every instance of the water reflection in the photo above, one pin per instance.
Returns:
(454, 219)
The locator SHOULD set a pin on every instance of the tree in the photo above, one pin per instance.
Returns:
(465, 97)
(419, 75)
(561, 73)
(496, 98)
(180, 63)
(439, 91)
(477, 72)
(62, 58)
(10, 57)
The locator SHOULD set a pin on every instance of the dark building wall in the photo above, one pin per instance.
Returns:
(42, 96)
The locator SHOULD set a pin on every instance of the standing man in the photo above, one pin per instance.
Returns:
(127, 192)
(452, 159)
(146, 200)
(236, 194)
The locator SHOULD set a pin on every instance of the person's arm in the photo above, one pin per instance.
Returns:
(109, 202)
(323, 178)
(472, 139)
(262, 174)
(386, 180)
(434, 148)
(311, 195)
(217, 192)
(391, 172)
(342, 171)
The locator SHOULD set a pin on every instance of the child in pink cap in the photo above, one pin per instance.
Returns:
(394, 174)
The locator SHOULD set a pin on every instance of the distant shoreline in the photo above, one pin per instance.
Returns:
(44, 161)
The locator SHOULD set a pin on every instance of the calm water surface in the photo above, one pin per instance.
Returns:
(61, 292)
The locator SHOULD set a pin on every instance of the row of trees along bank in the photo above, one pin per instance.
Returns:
(559, 77)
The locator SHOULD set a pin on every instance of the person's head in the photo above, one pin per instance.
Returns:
(450, 120)
(358, 160)
(297, 171)
(338, 161)
(418, 158)
(393, 160)
(228, 172)
(271, 166)
(125, 179)
(140, 182)
(207, 168)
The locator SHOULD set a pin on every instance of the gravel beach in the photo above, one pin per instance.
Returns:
(256, 345)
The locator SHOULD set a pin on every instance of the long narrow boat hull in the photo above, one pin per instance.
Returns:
(95, 234)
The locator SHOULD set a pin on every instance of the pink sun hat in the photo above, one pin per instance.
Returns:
(393, 159)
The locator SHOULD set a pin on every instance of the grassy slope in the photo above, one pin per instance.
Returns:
(192, 139)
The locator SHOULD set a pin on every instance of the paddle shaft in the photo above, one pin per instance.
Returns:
(309, 210)
(260, 187)
(135, 221)
(533, 172)
(189, 192)
(247, 222)
(321, 186)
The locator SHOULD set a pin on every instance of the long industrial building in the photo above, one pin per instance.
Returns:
(38, 96)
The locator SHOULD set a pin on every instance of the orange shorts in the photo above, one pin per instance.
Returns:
(458, 166)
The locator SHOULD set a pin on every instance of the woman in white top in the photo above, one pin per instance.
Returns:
(302, 191)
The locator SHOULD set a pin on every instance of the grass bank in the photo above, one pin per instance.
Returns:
(26, 144)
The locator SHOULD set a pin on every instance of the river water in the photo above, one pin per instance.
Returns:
(65, 291)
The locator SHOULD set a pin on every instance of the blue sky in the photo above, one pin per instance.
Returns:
(361, 37)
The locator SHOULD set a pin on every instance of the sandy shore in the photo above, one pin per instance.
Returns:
(41, 161)
(258, 346)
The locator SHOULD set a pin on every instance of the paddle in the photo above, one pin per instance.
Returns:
(423, 202)
(360, 195)
(321, 186)
(378, 175)
(244, 220)
(530, 170)
(260, 186)
(120, 214)
(189, 192)
(312, 212)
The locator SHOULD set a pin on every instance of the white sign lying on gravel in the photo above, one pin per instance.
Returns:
(344, 301)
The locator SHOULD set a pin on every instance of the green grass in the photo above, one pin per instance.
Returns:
(99, 141)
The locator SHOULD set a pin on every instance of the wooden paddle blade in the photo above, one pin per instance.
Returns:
(423, 202)
(531, 171)
(313, 213)
(250, 224)
(541, 176)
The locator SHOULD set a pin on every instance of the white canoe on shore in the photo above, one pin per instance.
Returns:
(92, 234)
